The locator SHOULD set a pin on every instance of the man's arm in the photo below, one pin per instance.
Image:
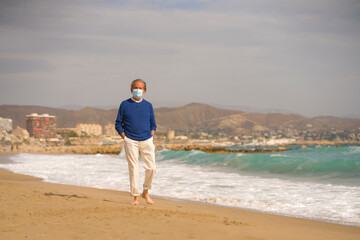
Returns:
(152, 121)
(119, 120)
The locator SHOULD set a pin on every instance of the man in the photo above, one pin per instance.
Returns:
(136, 125)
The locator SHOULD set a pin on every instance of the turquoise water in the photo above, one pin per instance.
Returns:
(336, 165)
(319, 182)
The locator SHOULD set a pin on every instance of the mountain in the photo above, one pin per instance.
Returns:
(191, 117)
(206, 118)
(252, 109)
(339, 123)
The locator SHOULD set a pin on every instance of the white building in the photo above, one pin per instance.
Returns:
(89, 129)
(110, 131)
(170, 134)
(280, 141)
(181, 137)
(6, 124)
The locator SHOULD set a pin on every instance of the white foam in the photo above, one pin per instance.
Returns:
(336, 203)
(354, 150)
(277, 155)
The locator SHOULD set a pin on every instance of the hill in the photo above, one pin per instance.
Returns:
(206, 118)
(193, 117)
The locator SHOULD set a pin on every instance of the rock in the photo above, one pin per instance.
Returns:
(216, 149)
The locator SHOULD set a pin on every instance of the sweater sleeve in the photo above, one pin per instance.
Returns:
(119, 119)
(152, 119)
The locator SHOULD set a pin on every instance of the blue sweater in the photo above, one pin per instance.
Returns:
(136, 119)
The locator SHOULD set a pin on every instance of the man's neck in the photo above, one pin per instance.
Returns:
(137, 100)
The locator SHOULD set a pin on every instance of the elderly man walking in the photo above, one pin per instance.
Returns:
(136, 124)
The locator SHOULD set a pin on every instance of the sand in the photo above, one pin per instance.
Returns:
(31, 209)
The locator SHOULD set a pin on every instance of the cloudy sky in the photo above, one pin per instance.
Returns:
(301, 56)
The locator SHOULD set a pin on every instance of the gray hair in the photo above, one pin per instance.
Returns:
(138, 80)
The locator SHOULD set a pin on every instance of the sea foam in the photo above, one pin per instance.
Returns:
(206, 180)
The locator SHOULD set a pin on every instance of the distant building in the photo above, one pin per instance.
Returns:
(106, 143)
(110, 131)
(89, 129)
(181, 137)
(41, 126)
(280, 141)
(170, 134)
(5, 124)
(21, 133)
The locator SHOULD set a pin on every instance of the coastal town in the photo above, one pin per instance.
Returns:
(43, 135)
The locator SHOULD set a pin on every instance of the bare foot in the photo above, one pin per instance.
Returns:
(147, 197)
(136, 201)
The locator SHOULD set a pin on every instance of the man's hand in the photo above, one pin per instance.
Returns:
(122, 135)
(153, 132)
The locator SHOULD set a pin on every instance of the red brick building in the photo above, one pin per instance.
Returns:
(41, 126)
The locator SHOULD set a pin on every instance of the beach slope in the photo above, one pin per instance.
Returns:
(31, 209)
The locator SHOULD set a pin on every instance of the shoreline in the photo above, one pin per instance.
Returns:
(320, 220)
(181, 200)
(5, 158)
(32, 208)
(208, 148)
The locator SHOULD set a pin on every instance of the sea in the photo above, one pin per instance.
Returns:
(319, 182)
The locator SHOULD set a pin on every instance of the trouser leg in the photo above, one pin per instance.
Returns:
(132, 157)
(147, 153)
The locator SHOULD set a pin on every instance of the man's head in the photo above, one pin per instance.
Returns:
(139, 86)
(138, 80)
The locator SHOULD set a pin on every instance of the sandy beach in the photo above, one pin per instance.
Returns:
(31, 209)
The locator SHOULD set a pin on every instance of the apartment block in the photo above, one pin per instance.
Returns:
(89, 129)
(41, 126)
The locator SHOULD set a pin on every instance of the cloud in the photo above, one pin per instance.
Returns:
(266, 50)
(21, 65)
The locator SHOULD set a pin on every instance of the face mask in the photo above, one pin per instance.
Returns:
(137, 93)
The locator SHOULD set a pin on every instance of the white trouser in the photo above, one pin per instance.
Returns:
(147, 152)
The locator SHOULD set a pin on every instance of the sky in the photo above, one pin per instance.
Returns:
(298, 56)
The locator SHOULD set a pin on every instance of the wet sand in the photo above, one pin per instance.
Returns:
(31, 209)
